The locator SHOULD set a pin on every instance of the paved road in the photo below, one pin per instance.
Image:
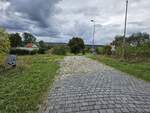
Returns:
(86, 86)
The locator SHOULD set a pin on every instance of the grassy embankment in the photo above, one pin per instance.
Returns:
(23, 89)
(140, 69)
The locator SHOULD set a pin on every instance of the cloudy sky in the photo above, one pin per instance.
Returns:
(60, 20)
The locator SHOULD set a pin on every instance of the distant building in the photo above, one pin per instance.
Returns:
(31, 45)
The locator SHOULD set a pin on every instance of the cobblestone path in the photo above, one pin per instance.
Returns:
(87, 86)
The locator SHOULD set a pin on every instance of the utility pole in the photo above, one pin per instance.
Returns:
(93, 41)
(125, 30)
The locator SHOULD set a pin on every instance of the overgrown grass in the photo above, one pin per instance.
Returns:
(139, 70)
(22, 89)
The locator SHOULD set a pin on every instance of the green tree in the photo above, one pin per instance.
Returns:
(118, 41)
(42, 47)
(15, 40)
(4, 44)
(76, 45)
(42, 44)
(4, 41)
(28, 38)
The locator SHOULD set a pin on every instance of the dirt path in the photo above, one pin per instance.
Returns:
(87, 86)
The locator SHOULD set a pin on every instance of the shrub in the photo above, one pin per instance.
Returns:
(135, 53)
(23, 52)
(83, 52)
(87, 49)
(118, 51)
(4, 45)
(59, 50)
(19, 51)
(107, 50)
(33, 52)
(140, 51)
(42, 51)
(100, 50)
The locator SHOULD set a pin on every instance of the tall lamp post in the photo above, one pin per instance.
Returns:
(93, 41)
(125, 30)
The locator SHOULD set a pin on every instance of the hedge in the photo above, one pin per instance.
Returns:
(23, 52)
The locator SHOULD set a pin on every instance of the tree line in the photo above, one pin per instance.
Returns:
(19, 41)
(11, 42)
(8, 43)
(136, 45)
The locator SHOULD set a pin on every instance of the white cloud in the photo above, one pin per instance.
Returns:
(110, 14)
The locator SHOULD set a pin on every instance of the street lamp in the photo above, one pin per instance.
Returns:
(93, 41)
(125, 30)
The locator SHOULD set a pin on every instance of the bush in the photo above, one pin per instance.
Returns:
(107, 50)
(137, 53)
(100, 50)
(87, 49)
(33, 52)
(19, 51)
(118, 51)
(23, 52)
(140, 51)
(59, 50)
(4, 45)
(42, 51)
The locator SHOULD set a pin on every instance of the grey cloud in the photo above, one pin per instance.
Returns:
(32, 16)
(63, 19)
(37, 10)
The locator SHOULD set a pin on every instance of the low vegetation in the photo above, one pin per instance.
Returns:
(138, 69)
(137, 46)
(22, 89)
(59, 50)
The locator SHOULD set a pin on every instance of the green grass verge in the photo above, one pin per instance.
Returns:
(22, 89)
(139, 70)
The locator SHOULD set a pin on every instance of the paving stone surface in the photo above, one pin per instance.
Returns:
(87, 86)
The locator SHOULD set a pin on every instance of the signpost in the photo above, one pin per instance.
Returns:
(11, 60)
